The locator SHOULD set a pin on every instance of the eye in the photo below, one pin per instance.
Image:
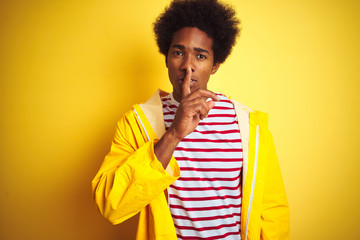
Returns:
(178, 53)
(201, 56)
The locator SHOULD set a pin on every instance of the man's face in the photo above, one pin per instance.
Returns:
(190, 48)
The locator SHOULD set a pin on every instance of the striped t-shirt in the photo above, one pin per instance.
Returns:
(205, 202)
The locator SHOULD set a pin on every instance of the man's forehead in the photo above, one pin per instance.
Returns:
(193, 38)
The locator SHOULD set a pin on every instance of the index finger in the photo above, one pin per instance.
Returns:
(186, 83)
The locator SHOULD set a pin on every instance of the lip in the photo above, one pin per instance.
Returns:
(192, 82)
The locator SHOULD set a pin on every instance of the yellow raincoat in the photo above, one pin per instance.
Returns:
(132, 180)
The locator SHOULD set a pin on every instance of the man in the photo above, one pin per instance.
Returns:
(194, 163)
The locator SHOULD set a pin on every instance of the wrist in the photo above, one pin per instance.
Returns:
(171, 137)
(165, 147)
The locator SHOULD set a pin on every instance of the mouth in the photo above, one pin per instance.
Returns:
(192, 82)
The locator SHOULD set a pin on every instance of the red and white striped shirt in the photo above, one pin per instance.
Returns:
(205, 202)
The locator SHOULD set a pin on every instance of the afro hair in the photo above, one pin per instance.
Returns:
(216, 19)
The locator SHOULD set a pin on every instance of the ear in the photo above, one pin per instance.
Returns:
(215, 68)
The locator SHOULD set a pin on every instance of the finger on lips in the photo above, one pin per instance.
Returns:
(186, 83)
(201, 100)
(186, 89)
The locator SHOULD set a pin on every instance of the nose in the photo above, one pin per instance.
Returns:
(187, 62)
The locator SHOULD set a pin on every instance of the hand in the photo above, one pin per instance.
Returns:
(192, 109)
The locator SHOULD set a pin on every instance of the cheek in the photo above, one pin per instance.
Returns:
(170, 67)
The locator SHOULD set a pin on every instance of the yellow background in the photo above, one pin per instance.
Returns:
(70, 69)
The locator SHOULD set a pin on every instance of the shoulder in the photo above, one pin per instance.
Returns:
(153, 101)
(239, 105)
(254, 117)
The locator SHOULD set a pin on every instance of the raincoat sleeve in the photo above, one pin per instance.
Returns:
(275, 208)
(130, 175)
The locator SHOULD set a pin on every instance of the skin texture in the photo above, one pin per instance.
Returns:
(190, 64)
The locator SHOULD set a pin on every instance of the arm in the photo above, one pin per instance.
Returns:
(131, 176)
(275, 211)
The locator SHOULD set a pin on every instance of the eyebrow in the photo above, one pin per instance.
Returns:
(201, 50)
(197, 49)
